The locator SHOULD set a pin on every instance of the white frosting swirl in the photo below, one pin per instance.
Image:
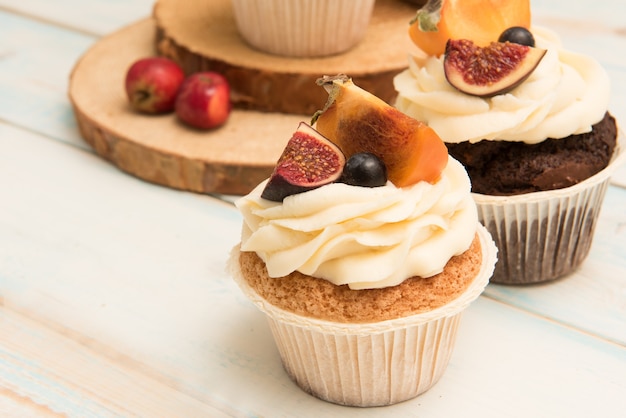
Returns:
(566, 94)
(360, 236)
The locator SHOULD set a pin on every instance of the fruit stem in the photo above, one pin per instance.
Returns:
(428, 16)
(140, 96)
(329, 83)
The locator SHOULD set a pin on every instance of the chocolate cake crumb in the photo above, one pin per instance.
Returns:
(510, 168)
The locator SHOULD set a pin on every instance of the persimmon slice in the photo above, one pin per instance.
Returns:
(357, 121)
(481, 21)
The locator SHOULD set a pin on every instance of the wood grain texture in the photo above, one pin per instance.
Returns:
(203, 35)
(99, 17)
(35, 60)
(56, 376)
(131, 276)
(231, 159)
(18, 406)
(114, 299)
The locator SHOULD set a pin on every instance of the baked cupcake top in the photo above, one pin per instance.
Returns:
(317, 298)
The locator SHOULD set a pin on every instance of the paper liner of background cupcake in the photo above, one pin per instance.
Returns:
(546, 235)
(539, 152)
(541, 201)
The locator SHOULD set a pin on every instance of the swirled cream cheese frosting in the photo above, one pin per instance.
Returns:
(360, 236)
(566, 94)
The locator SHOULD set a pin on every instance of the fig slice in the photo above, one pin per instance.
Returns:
(487, 71)
(308, 161)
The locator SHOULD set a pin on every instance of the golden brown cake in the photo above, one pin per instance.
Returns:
(317, 298)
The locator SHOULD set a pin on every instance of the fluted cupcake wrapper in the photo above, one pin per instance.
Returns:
(545, 235)
(302, 28)
(367, 370)
(369, 364)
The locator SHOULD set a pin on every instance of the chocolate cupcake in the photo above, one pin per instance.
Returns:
(539, 155)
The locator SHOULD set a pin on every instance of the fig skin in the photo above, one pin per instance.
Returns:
(491, 70)
(308, 161)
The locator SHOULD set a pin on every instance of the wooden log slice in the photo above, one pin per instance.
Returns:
(202, 35)
(160, 149)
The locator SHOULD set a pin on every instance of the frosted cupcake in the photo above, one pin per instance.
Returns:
(303, 28)
(363, 281)
(539, 152)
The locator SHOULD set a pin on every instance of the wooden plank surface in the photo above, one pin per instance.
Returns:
(36, 60)
(52, 375)
(176, 337)
(152, 296)
(94, 17)
(113, 295)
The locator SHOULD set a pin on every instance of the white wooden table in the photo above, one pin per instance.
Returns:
(113, 295)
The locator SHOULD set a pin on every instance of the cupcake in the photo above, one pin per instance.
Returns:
(302, 28)
(363, 281)
(538, 143)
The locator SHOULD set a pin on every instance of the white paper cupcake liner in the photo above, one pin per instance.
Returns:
(369, 364)
(545, 235)
(302, 28)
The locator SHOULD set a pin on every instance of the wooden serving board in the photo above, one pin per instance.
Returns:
(159, 148)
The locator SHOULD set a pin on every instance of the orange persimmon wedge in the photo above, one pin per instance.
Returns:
(481, 21)
(357, 121)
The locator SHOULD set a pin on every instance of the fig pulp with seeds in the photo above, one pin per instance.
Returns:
(491, 70)
(308, 161)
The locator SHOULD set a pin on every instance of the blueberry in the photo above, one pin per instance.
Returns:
(518, 35)
(364, 169)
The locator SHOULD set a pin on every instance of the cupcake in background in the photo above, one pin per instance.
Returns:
(363, 249)
(303, 28)
(539, 143)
